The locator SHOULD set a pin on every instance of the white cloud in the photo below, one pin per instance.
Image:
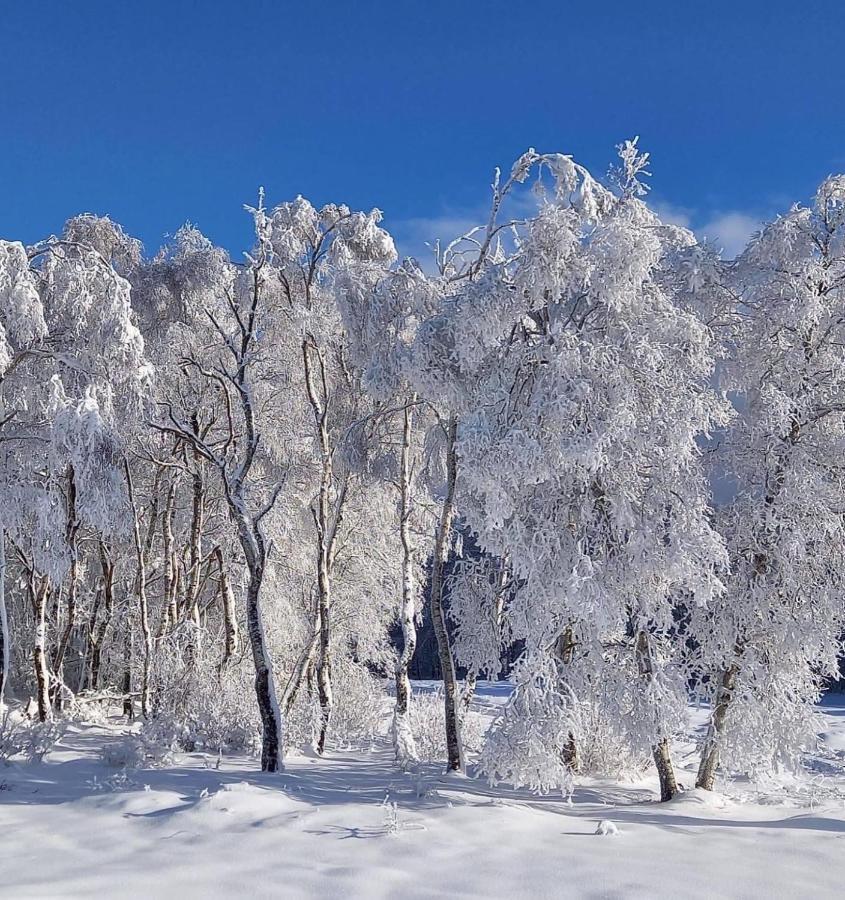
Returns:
(673, 215)
(412, 235)
(730, 231)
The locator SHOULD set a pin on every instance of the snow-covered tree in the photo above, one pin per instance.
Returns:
(22, 337)
(583, 388)
(230, 444)
(86, 375)
(308, 248)
(775, 635)
(382, 307)
(300, 447)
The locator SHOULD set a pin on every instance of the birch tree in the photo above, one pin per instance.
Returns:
(775, 635)
(230, 444)
(308, 247)
(22, 337)
(585, 388)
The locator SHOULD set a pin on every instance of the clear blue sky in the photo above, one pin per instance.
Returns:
(159, 112)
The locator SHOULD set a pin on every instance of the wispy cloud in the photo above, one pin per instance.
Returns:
(730, 230)
(416, 236)
(674, 215)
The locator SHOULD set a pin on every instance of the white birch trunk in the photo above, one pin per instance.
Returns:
(455, 760)
(711, 750)
(660, 751)
(403, 737)
(141, 590)
(227, 602)
(169, 614)
(191, 605)
(39, 649)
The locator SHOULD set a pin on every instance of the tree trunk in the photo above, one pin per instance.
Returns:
(128, 704)
(255, 553)
(71, 532)
(5, 642)
(327, 526)
(660, 751)
(324, 668)
(95, 663)
(141, 591)
(442, 543)
(100, 627)
(39, 650)
(234, 465)
(665, 770)
(169, 614)
(85, 669)
(324, 588)
(470, 684)
(227, 603)
(191, 603)
(564, 650)
(268, 707)
(61, 649)
(711, 750)
(301, 670)
(403, 738)
(569, 754)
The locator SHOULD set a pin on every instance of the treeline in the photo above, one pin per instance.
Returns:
(227, 486)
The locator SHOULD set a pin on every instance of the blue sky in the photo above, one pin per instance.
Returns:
(161, 112)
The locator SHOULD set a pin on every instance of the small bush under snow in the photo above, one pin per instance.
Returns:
(32, 740)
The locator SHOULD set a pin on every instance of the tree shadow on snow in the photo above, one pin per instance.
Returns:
(342, 778)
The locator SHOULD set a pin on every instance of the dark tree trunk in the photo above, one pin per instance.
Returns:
(264, 691)
(128, 704)
(100, 626)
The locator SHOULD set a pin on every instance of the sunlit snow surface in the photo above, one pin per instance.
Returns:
(350, 825)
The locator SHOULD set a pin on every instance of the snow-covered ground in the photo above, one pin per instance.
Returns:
(351, 825)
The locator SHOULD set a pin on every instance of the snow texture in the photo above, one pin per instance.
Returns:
(351, 825)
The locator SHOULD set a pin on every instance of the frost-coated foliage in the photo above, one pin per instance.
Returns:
(202, 707)
(358, 718)
(225, 482)
(148, 748)
(480, 593)
(582, 388)
(778, 629)
(27, 739)
(20, 304)
(427, 722)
